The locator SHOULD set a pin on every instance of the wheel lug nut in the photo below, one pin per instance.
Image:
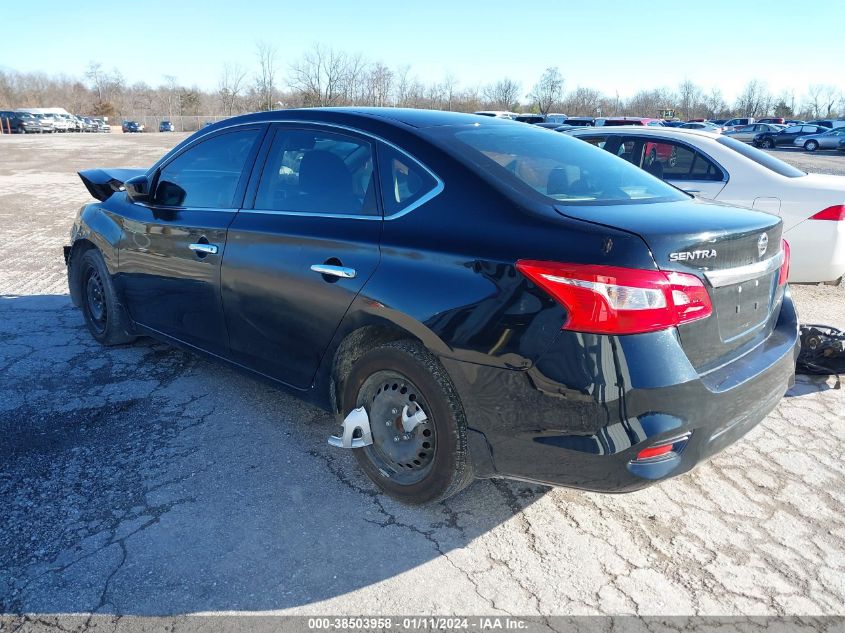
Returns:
(394, 411)
(388, 423)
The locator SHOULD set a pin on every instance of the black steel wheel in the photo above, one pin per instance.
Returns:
(95, 293)
(95, 300)
(408, 456)
(416, 461)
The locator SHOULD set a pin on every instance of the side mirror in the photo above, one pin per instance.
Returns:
(138, 189)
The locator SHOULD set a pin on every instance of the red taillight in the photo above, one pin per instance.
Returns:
(614, 300)
(835, 213)
(784, 267)
(654, 451)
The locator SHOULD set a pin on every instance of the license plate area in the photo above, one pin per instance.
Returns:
(744, 306)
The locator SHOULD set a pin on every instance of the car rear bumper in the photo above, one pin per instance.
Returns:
(583, 413)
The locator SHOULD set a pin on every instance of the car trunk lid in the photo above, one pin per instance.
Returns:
(736, 252)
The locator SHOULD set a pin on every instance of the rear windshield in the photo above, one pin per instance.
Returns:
(557, 166)
(762, 158)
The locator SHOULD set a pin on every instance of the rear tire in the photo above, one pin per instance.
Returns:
(768, 143)
(429, 464)
(103, 314)
(811, 146)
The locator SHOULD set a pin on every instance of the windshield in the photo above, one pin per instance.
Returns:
(557, 166)
(762, 158)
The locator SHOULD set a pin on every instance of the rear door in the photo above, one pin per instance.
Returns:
(171, 249)
(301, 250)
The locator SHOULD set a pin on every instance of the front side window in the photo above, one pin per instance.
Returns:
(562, 168)
(206, 175)
(311, 171)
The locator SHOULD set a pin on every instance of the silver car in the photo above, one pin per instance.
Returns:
(746, 133)
(824, 140)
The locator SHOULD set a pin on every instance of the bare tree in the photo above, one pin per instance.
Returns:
(690, 97)
(169, 94)
(714, 104)
(231, 84)
(321, 76)
(548, 91)
(503, 95)
(450, 87)
(265, 80)
(379, 82)
(649, 102)
(98, 79)
(754, 100)
(582, 102)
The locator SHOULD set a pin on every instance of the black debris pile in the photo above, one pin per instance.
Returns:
(822, 351)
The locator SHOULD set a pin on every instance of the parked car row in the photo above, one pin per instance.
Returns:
(38, 122)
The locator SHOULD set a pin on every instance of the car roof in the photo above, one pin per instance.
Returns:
(406, 116)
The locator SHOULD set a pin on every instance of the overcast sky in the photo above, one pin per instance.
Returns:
(611, 46)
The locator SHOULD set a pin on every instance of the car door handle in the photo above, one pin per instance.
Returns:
(334, 271)
(693, 190)
(206, 249)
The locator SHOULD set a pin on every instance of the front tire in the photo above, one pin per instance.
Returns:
(103, 314)
(431, 462)
(811, 146)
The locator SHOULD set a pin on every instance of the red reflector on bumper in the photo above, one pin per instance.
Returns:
(654, 451)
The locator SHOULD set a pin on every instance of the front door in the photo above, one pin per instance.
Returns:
(171, 249)
(296, 260)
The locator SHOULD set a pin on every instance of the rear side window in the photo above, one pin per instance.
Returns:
(311, 171)
(404, 182)
(562, 168)
(206, 175)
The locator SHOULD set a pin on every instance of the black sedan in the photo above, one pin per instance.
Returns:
(471, 297)
(786, 136)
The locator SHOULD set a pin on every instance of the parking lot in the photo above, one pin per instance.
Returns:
(142, 480)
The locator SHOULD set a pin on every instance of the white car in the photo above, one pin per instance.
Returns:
(720, 168)
(60, 123)
(498, 114)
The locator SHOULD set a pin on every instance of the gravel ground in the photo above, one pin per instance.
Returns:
(142, 480)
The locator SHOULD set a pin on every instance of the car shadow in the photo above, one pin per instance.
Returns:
(806, 385)
(144, 480)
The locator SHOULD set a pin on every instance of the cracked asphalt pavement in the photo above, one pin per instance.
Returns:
(142, 480)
